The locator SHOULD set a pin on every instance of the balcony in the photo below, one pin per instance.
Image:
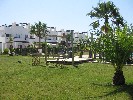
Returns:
(21, 39)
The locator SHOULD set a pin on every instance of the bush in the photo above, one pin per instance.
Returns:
(17, 51)
(0, 51)
(6, 51)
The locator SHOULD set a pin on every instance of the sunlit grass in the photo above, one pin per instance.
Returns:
(89, 81)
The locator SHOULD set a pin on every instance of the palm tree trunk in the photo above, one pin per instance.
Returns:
(67, 46)
(39, 42)
(106, 24)
(90, 53)
(118, 78)
(81, 53)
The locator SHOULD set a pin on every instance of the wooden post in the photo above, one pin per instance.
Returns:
(90, 53)
(72, 47)
(45, 49)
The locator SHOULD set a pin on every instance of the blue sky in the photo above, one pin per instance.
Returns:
(62, 14)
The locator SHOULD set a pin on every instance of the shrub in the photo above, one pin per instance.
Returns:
(6, 51)
(0, 51)
(17, 51)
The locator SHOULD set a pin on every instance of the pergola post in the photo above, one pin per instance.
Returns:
(72, 47)
(45, 48)
(90, 52)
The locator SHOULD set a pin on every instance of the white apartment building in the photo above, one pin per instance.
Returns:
(18, 33)
(21, 37)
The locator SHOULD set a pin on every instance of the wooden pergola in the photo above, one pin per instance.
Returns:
(63, 36)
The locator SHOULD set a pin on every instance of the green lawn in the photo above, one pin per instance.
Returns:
(22, 81)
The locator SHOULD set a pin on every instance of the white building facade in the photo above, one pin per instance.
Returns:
(20, 37)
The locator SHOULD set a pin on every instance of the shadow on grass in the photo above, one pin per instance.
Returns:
(119, 89)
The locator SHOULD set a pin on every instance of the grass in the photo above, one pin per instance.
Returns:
(22, 81)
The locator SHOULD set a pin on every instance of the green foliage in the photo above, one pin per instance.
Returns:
(11, 50)
(117, 46)
(6, 51)
(17, 51)
(10, 39)
(82, 45)
(40, 30)
(104, 13)
(49, 48)
(0, 51)
(68, 37)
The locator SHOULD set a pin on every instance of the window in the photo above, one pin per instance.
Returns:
(8, 35)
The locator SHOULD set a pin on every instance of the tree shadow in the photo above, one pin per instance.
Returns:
(123, 88)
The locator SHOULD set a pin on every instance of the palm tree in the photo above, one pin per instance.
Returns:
(121, 46)
(40, 30)
(105, 13)
(82, 46)
(117, 43)
(108, 12)
(11, 46)
(11, 40)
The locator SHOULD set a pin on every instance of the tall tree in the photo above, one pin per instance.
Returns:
(82, 46)
(105, 12)
(11, 45)
(40, 30)
(117, 46)
(117, 43)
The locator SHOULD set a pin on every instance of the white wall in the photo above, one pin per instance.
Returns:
(19, 32)
(52, 31)
(2, 43)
